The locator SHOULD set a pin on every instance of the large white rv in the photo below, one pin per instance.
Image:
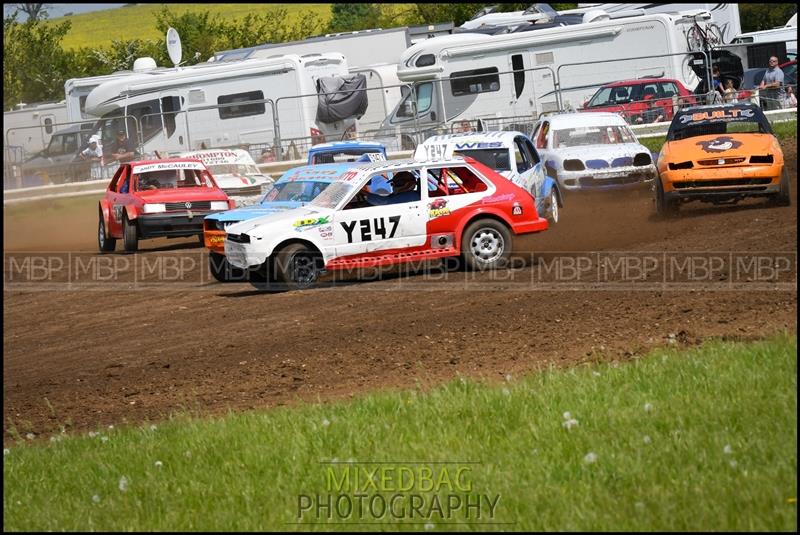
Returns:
(361, 48)
(28, 128)
(220, 104)
(77, 90)
(472, 76)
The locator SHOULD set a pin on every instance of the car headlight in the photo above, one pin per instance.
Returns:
(154, 208)
(219, 205)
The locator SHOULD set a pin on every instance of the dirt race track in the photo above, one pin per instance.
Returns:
(83, 357)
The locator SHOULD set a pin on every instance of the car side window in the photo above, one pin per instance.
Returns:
(456, 180)
(124, 182)
(669, 89)
(531, 151)
(541, 138)
(400, 187)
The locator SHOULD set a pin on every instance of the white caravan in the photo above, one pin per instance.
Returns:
(212, 105)
(472, 76)
(27, 128)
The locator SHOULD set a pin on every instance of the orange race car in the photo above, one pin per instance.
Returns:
(720, 154)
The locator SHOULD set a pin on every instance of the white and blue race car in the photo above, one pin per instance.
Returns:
(509, 153)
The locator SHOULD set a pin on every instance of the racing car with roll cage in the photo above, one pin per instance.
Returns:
(720, 154)
(435, 209)
(157, 198)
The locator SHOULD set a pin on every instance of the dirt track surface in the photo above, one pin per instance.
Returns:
(88, 357)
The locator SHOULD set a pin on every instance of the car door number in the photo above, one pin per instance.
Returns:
(370, 229)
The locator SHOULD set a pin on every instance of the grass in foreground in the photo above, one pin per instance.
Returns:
(698, 440)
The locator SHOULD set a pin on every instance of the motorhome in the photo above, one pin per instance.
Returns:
(76, 90)
(361, 48)
(787, 34)
(724, 16)
(222, 104)
(472, 76)
(27, 128)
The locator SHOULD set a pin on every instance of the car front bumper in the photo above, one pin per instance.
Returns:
(630, 177)
(243, 255)
(721, 183)
(176, 225)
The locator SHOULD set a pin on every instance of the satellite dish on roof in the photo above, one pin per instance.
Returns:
(174, 46)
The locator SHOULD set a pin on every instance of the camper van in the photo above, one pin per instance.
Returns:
(472, 76)
(787, 34)
(28, 128)
(77, 90)
(212, 105)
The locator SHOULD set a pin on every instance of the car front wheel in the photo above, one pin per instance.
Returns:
(665, 206)
(782, 198)
(298, 266)
(130, 238)
(486, 244)
(104, 243)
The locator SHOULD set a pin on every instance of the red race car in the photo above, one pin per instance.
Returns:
(149, 199)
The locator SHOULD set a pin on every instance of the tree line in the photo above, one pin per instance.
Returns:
(36, 66)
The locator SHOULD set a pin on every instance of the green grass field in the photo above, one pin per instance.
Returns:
(99, 28)
(700, 439)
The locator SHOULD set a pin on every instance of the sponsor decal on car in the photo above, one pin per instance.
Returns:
(146, 168)
(719, 144)
(370, 229)
(305, 224)
(725, 115)
(438, 208)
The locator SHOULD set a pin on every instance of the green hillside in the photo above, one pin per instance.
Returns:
(100, 28)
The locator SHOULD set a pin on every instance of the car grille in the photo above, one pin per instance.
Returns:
(239, 238)
(721, 161)
(195, 205)
(721, 183)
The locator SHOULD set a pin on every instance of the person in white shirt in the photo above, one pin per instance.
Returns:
(94, 154)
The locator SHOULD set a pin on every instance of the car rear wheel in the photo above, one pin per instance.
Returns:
(552, 209)
(665, 207)
(104, 243)
(486, 244)
(782, 198)
(298, 266)
(130, 238)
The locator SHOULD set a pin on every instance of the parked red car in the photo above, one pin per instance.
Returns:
(640, 101)
(149, 199)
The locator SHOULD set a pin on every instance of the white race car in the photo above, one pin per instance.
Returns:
(235, 172)
(433, 209)
(509, 153)
(593, 151)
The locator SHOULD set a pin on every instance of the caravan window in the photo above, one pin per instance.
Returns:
(148, 115)
(243, 110)
(476, 81)
(169, 105)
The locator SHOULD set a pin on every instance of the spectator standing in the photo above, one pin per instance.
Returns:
(94, 154)
(772, 93)
(123, 149)
(729, 95)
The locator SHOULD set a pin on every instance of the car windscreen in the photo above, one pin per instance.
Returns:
(173, 178)
(612, 96)
(295, 191)
(695, 123)
(351, 155)
(335, 193)
(234, 169)
(496, 159)
(591, 135)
